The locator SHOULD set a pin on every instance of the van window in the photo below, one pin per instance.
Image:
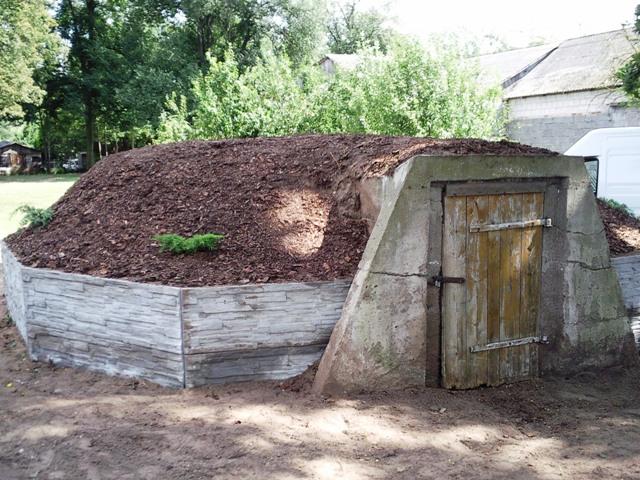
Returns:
(592, 170)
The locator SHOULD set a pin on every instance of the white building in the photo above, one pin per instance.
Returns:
(556, 94)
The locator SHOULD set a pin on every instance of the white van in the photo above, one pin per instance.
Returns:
(612, 156)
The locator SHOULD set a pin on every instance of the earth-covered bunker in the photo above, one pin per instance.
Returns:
(479, 270)
(514, 231)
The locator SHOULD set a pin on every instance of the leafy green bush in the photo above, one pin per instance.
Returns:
(33, 216)
(171, 242)
(409, 91)
(621, 207)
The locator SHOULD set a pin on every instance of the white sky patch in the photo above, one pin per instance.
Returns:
(517, 21)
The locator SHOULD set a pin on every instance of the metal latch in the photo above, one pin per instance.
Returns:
(438, 280)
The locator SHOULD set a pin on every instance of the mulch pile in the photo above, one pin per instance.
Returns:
(622, 229)
(286, 206)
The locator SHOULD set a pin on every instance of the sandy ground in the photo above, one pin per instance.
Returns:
(73, 424)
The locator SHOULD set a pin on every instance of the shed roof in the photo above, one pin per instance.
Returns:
(7, 143)
(584, 63)
(501, 67)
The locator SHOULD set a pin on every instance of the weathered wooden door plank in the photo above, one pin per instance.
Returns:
(493, 292)
(454, 295)
(533, 204)
(510, 265)
(476, 282)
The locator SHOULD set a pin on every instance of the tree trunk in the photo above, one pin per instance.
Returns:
(90, 93)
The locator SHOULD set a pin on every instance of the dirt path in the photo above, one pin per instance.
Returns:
(70, 424)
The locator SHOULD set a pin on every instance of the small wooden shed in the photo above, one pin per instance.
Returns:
(18, 157)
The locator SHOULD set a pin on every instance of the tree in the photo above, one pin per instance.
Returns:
(242, 26)
(301, 35)
(407, 92)
(81, 26)
(26, 42)
(629, 74)
(350, 30)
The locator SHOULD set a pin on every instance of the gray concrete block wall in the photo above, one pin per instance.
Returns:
(257, 331)
(628, 269)
(558, 121)
(172, 336)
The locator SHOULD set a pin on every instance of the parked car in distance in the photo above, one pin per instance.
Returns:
(612, 158)
(77, 163)
(72, 165)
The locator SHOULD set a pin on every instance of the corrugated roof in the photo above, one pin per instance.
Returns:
(584, 63)
(501, 67)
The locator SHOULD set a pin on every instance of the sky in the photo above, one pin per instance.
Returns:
(518, 22)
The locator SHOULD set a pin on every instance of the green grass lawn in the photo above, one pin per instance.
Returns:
(36, 190)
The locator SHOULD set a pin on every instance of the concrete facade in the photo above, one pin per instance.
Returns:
(383, 338)
(173, 336)
(557, 121)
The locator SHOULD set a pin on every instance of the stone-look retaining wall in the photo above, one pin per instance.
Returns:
(172, 336)
(13, 290)
(628, 269)
(257, 331)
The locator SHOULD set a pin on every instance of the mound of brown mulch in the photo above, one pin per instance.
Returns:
(286, 206)
(622, 229)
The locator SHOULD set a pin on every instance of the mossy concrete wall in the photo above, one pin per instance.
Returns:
(379, 341)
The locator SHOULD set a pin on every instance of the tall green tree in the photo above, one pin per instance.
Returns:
(26, 43)
(350, 29)
(81, 23)
(242, 26)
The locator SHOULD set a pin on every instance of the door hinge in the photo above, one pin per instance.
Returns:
(493, 227)
(509, 343)
(438, 280)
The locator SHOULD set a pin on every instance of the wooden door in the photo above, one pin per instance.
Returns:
(492, 243)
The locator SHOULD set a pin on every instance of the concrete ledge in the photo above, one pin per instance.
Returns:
(173, 336)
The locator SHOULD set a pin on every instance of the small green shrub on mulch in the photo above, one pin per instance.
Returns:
(33, 216)
(177, 244)
(621, 207)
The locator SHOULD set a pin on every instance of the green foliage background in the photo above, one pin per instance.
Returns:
(108, 75)
(406, 92)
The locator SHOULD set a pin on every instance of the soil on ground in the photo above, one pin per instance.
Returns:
(621, 228)
(58, 423)
(286, 206)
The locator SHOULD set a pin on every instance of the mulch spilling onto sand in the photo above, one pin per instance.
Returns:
(622, 229)
(286, 206)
